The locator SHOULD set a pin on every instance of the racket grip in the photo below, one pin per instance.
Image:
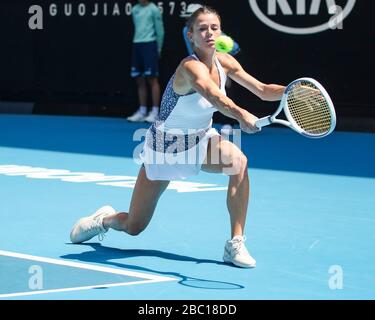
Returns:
(262, 122)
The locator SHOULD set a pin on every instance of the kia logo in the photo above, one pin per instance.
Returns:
(298, 8)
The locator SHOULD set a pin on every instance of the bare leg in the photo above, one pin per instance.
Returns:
(144, 200)
(224, 156)
(238, 200)
(142, 91)
(155, 90)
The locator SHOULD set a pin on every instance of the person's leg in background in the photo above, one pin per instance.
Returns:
(137, 71)
(151, 60)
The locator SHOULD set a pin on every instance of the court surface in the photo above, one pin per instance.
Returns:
(310, 224)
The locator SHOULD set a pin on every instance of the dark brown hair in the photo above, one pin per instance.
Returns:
(205, 9)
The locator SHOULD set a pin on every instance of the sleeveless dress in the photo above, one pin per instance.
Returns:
(176, 143)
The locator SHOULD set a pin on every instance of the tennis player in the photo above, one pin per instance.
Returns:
(184, 130)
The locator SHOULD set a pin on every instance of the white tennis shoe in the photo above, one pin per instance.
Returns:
(138, 116)
(236, 253)
(152, 116)
(91, 226)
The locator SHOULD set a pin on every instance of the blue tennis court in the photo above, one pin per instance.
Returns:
(310, 224)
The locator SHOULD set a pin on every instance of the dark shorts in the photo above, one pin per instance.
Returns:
(145, 60)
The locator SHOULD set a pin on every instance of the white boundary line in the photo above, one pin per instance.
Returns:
(29, 293)
(150, 278)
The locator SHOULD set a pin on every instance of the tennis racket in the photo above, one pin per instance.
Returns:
(308, 108)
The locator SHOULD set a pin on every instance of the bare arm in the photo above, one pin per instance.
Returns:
(196, 75)
(267, 92)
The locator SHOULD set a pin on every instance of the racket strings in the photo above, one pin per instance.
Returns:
(309, 108)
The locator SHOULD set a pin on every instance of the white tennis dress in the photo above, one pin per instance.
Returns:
(176, 144)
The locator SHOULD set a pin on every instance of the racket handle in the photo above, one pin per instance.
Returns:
(262, 122)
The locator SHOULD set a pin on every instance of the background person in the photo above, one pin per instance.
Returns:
(147, 46)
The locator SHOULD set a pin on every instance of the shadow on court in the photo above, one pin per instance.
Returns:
(104, 255)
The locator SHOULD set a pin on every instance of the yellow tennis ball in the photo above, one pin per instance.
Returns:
(224, 44)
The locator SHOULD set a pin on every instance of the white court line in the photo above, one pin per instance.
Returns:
(29, 293)
(150, 278)
(98, 178)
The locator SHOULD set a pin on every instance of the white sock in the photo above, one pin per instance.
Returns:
(143, 110)
(155, 109)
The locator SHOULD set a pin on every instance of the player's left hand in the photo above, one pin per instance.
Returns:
(248, 123)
